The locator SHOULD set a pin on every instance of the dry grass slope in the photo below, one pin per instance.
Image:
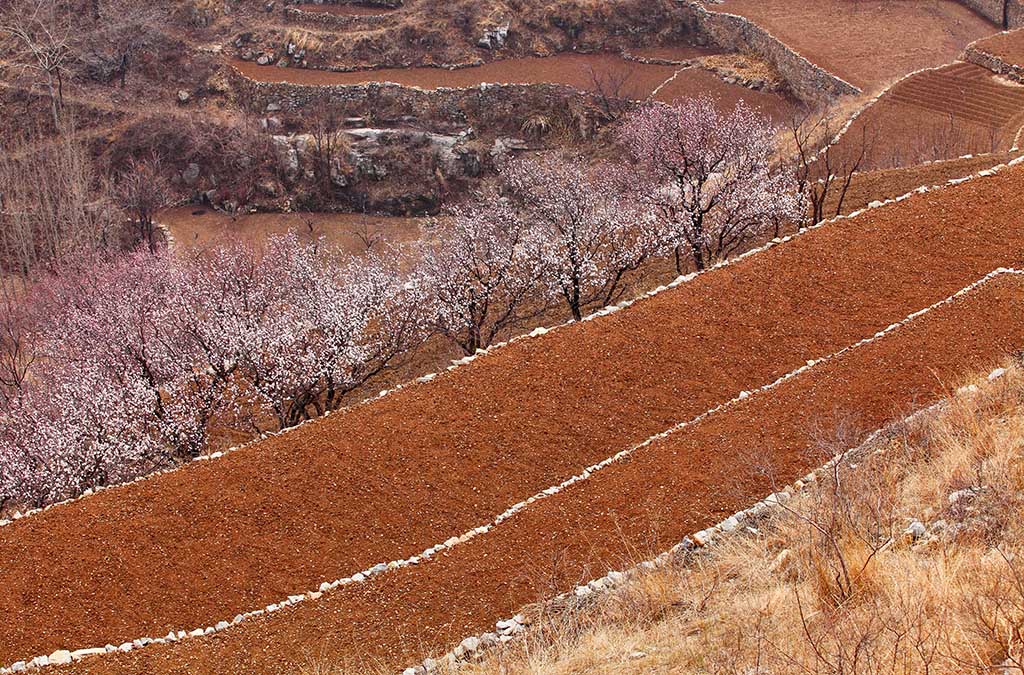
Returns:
(906, 562)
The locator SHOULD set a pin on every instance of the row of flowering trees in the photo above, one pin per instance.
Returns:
(113, 368)
(134, 360)
(696, 183)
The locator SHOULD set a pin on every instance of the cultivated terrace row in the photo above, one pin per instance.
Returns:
(388, 479)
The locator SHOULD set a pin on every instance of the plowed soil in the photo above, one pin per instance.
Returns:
(202, 228)
(390, 478)
(574, 70)
(1008, 46)
(867, 42)
(673, 488)
(884, 184)
(956, 110)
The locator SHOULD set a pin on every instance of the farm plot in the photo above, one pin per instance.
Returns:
(673, 487)
(390, 478)
(351, 232)
(1008, 47)
(884, 184)
(639, 80)
(951, 111)
(868, 43)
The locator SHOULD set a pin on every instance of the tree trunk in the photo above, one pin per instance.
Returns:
(698, 256)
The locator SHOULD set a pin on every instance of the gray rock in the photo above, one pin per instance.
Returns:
(191, 174)
(916, 529)
(183, 96)
(494, 38)
(264, 60)
(961, 496)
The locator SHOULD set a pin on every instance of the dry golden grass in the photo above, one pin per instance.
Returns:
(748, 66)
(303, 40)
(833, 582)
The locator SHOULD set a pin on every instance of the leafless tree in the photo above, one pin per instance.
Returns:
(17, 349)
(141, 190)
(39, 35)
(51, 202)
(612, 90)
(329, 145)
(825, 169)
(119, 31)
(367, 236)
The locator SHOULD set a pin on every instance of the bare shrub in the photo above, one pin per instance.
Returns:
(51, 203)
(142, 190)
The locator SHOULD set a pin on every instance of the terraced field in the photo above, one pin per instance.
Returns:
(869, 43)
(966, 92)
(388, 479)
(640, 80)
(943, 113)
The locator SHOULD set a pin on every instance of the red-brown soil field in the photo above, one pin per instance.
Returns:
(954, 110)
(1008, 46)
(867, 42)
(388, 479)
(885, 184)
(574, 70)
(201, 228)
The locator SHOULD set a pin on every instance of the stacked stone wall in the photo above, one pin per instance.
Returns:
(807, 81)
(993, 10)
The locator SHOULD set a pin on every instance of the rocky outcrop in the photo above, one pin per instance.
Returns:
(494, 38)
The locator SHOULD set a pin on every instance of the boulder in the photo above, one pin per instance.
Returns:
(191, 174)
(494, 38)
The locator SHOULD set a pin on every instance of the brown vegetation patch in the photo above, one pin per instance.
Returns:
(348, 9)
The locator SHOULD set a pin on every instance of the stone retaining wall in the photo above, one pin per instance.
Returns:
(504, 107)
(335, 21)
(990, 9)
(993, 11)
(994, 63)
(808, 82)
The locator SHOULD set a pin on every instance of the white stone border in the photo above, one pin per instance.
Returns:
(537, 332)
(507, 629)
(63, 656)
